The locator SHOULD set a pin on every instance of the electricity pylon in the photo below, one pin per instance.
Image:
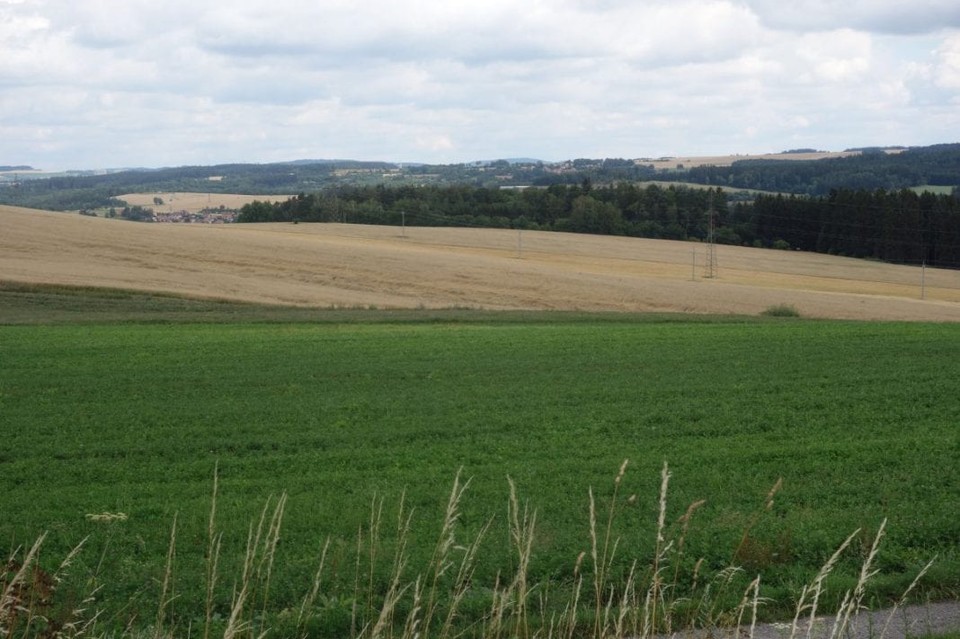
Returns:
(710, 268)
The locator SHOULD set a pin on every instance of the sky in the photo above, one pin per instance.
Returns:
(90, 84)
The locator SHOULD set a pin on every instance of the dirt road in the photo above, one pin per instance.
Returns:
(909, 622)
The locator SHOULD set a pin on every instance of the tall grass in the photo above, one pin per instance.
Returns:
(659, 594)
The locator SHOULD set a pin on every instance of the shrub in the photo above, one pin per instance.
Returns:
(781, 310)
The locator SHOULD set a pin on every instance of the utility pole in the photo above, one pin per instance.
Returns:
(710, 269)
(519, 243)
(923, 280)
(403, 223)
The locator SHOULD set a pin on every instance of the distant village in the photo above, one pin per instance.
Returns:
(220, 215)
(206, 216)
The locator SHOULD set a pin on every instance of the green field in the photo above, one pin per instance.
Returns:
(859, 420)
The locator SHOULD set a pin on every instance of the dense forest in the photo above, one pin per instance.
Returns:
(894, 226)
(897, 226)
(872, 169)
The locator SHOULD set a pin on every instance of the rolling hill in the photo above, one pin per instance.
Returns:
(336, 265)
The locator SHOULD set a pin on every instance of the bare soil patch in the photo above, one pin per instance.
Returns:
(336, 265)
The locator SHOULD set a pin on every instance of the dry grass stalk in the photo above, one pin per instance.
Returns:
(235, 624)
(213, 554)
(28, 594)
(411, 627)
(373, 535)
(815, 589)
(522, 533)
(493, 626)
(767, 505)
(311, 597)
(356, 583)
(568, 625)
(395, 591)
(707, 614)
(265, 568)
(597, 571)
(655, 594)
(852, 601)
(440, 562)
(76, 624)
(258, 559)
(167, 583)
(627, 605)
(603, 557)
(903, 598)
(11, 601)
(684, 522)
(461, 585)
(751, 601)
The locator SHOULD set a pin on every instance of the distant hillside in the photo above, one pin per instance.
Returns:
(350, 266)
(868, 169)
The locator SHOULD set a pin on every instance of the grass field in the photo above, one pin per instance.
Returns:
(858, 419)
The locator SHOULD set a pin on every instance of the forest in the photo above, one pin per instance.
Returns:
(673, 212)
(900, 226)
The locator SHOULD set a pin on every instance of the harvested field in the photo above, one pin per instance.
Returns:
(726, 160)
(335, 265)
(195, 202)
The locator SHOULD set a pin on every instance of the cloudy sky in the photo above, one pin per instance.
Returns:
(110, 83)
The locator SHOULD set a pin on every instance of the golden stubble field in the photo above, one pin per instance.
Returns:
(726, 160)
(194, 202)
(336, 265)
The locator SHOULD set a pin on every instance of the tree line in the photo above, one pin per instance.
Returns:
(672, 212)
(893, 226)
(897, 226)
(871, 169)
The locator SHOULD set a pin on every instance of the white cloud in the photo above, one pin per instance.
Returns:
(158, 83)
(882, 16)
(948, 64)
(836, 57)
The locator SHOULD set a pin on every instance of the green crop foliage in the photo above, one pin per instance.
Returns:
(858, 419)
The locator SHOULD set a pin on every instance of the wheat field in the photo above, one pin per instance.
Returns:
(337, 265)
